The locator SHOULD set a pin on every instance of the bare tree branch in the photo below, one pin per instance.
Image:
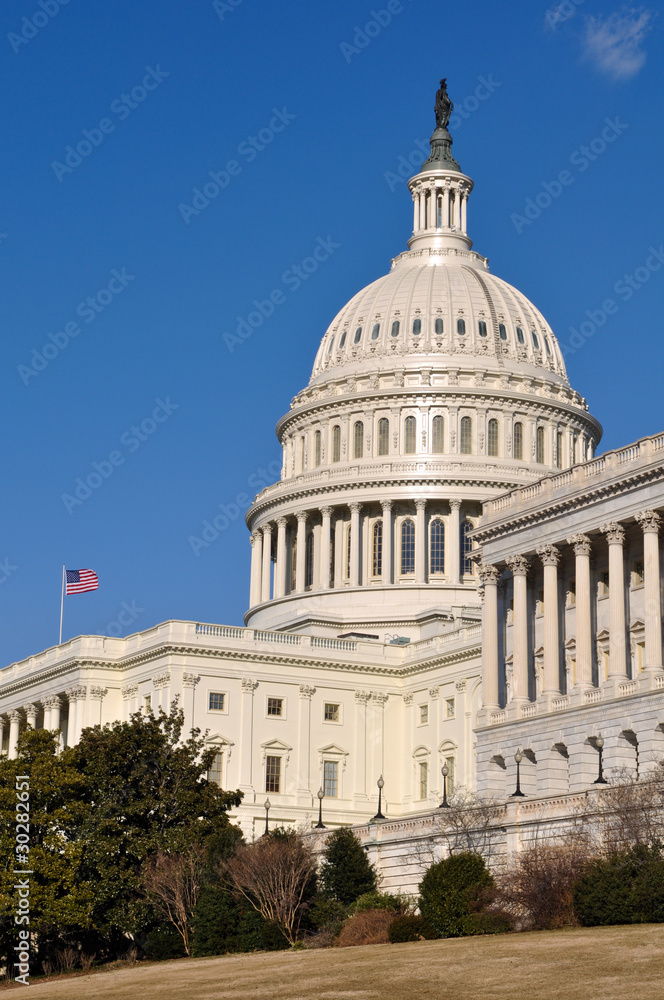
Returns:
(172, 883)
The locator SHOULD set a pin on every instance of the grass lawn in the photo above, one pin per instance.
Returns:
(625, 963)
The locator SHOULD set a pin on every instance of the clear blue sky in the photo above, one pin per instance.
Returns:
(349, 106)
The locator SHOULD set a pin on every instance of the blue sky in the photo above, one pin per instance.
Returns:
(303, 112)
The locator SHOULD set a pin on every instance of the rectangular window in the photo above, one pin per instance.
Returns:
(450, 774)
(273, 774)
(424, 780)
(275, 706)
(331, 778)
(638, 574)
(147, 703)
(449, 708)
(214, 774)
(424, 713)
(217, 702)
(331, 711)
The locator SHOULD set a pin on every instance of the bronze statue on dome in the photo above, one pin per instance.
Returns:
(444, 106)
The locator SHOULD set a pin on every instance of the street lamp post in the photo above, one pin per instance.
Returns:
(381, 785)
(518, 757)
(444, 771)
(267, 809)
(600, 779)
(320, 825)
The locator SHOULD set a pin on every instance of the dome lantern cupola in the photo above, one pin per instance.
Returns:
(440, 191)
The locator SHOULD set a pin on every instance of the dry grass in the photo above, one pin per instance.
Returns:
(609, 963)
(368, 927)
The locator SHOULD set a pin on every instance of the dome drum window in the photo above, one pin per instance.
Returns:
(375, 331)
(481, 328)
(417, 327)
(438, 327)
(336, 443)
(329, 350)
(407, 547)
(358, 335)
(518, 441)
(519, 335)
(358, 439)
(438, 435)
(536, 343)
(461, 327)
(410, 435)
(466, 436)
(502, 330)
(383, 436)
(492, 438)
(395, 328)
(343, 338)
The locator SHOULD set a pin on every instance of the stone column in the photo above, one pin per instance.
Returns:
(355, 543)
(280, 565)
(246, 735)
(519, 567)
(46, 705)
(324, 558)
(97, 694)
(584, 650)
(420, 541)
(464, 206)
(615, 534)
(189, 682)
(31, 715)
(387, 541)
(2, 732)
(301, 554)
(14, 726)
(267, 562)
(415, 214)
(129, 692)
(376, 736)
(550, 557)
(361, 699)
(304, 790)
(454, 564)
(490, 575)
(255, 588)
(650, 522)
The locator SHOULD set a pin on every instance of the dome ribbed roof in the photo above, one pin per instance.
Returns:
(428, 286)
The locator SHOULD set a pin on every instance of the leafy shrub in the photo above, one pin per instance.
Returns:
(381, 901)
(409, 927)
(224, 924)
(345, 872)
(368, 927)
(488, 922)
(163, 942)
(450, 890)
(626, 887)
(326, 915)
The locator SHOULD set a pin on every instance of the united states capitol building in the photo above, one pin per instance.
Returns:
(445, 573)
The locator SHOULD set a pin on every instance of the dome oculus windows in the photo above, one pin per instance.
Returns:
(536, 344)
(502, 330)
(519, 335)
(343, 338)
(461, 327)
(417, 327)
(358, 335)
(438, 326)
(375, 331)
(395, 328)
(481, 327)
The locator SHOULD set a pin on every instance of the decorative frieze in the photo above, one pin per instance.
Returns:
(162, 680)
(129, 691)
(190, 680)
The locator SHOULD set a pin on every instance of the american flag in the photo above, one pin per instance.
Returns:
(80, 580)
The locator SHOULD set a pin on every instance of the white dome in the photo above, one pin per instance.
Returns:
(430, 286)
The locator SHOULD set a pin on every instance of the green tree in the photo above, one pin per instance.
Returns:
(627, 887)
(451, 891)
(345, 872)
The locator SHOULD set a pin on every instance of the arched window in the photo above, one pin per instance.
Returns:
(417, 327)
(482, 328)
(336, 443)
(466, 436)
(395, 328)
(438, 435)
(519, 335)
(377, 555)
(502, 331)
(492, 438)
(461, 327)
(358, 335)
(343, 338)
(309, 568)
(383, 436)
(410, 435)
(540, 445)
(317, 447)
(407, 546)
(518, 440)
(293, 564)
(559, 449)
(358, 439)
(375, 331)
(438, 326)
(437, 548)
(467, 564)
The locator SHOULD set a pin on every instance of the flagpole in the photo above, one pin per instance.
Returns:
(62, 601)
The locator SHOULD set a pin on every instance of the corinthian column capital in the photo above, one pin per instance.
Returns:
(649, 520)
(519, 565)
(615, 533)
(549, 555)
(581, 544)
